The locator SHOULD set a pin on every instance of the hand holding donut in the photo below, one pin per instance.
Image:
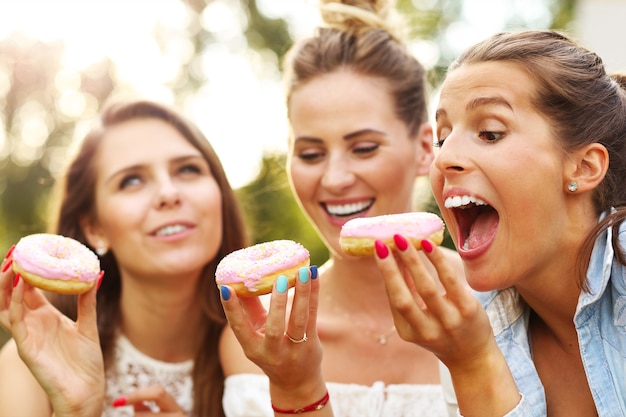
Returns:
(56, 263)
(450, 323)
(283, 344)
(64, 356)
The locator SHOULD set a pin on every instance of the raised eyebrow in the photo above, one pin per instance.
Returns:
(487, 101)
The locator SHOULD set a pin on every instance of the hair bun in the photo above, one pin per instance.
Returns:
(358, 16)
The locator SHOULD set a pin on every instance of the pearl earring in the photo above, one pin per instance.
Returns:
(572, 186)
(101, 249)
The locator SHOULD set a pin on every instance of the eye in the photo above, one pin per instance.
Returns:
(130, 180)
(488, 136)
(190, 169)
(311, 155)
(365, 149)
(442, 134)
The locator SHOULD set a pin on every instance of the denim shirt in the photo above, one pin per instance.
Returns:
(600, 321)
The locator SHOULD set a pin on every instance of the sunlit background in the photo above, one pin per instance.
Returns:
(219, 62)
(238, 101)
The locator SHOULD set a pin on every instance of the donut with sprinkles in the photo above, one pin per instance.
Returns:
(252, 271)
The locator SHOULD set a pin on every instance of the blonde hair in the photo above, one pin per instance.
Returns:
(359, 16)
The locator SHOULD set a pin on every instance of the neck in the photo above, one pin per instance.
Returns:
(552, 289)
(161, 321)
(553, 305)
(355, 284)
(353, 290)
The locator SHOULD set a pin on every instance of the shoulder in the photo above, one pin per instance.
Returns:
(11, 363)
(20, 393)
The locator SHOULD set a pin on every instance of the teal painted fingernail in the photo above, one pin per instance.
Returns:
(281, 284)
(225, 293)
(313, 271)
(303, 275)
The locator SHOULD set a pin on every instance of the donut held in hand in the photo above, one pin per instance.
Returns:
(56, 263)
(357, 235)
(252, 271)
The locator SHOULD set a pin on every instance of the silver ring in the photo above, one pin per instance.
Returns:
(304, 338)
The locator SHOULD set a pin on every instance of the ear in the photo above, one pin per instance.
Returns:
(424, 153)
(94, 233)
(588, 167)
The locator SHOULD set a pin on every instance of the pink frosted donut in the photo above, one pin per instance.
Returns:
(253, 270)
(357, 236)
(56, 263)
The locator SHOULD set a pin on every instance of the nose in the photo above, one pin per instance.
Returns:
(338, 175)
(168, 193)
(452, 157)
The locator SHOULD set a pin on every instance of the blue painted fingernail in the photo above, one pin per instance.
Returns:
(281, 284)
(225, 293)
(303, 275)
(313, 271)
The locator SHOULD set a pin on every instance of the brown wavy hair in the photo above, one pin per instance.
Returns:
(75, 199)
(583, 104)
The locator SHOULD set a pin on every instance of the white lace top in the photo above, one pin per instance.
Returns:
(132, 369)
(247, 395)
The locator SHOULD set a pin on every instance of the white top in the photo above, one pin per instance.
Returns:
(247, 395)
(132, 369)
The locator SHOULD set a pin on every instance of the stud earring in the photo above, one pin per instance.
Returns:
(572, 186)
(101, 249)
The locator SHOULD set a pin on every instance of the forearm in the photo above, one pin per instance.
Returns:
(485, 388)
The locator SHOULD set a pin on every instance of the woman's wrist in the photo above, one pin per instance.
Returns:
(300, 398)
(90, 408)
(314, 406)
(485, 384)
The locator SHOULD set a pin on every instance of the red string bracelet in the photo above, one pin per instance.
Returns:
(317, 405)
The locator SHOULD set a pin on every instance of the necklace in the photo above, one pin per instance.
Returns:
(382, 338)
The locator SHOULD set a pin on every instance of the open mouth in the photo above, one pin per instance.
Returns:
(347, 210)
(477, 221)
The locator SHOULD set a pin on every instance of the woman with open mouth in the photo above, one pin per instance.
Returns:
(529, 177)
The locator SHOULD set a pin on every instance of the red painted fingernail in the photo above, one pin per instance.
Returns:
(100, 275)
(401, 242)
(119, 402)
(381, 249)
(7, 266)
(9, 252)
(427, 246)
(16, 280)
